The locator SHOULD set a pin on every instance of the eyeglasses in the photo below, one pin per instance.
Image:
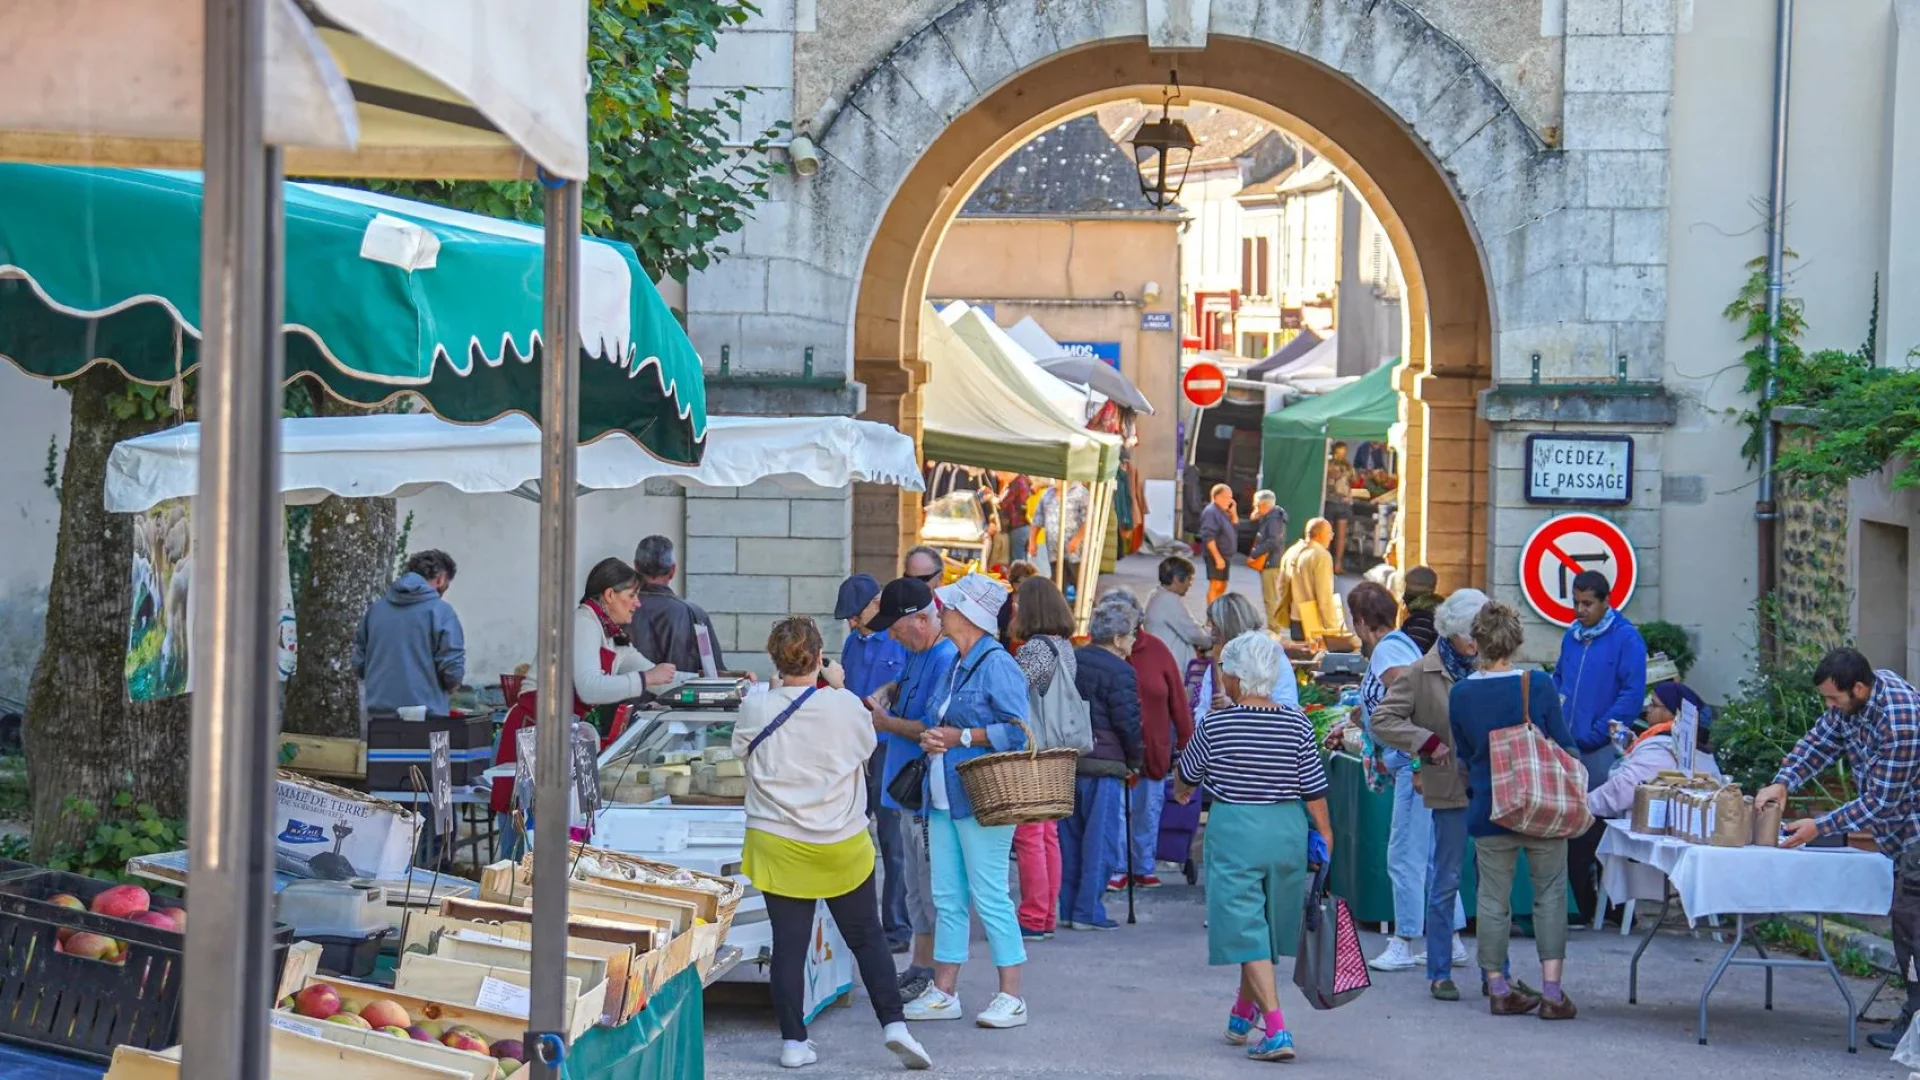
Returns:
(927, 578)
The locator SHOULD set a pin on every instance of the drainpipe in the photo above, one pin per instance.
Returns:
(1766, 511)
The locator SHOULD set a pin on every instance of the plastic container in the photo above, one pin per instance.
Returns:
(80, 1006)
(317, 909)
(348, 956)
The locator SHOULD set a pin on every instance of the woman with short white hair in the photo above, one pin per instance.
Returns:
(1259, 760)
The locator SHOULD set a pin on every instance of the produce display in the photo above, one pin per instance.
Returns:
(322, 1001)
(129, 902)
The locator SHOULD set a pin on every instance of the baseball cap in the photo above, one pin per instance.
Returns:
(902, 597)
(855, 594)
(978, 597)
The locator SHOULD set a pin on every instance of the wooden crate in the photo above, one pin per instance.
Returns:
(491, 1025)
(320, 755)
(645, 939)
(295, 1057)
(503, 883)
(465, 1062)
(430, 934)
(441, 978)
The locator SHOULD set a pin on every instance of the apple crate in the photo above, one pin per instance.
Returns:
(81, 1006)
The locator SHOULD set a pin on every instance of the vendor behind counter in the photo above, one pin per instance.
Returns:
(664, 629)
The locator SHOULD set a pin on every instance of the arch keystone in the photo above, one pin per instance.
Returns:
(1177, 25)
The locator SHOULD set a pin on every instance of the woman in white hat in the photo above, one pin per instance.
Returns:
(985, 694)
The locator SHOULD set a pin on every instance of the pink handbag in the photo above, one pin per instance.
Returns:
(1539, 789)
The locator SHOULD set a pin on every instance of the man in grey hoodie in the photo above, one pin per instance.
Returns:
(410, 649)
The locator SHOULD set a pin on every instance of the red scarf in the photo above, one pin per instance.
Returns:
(617, 635)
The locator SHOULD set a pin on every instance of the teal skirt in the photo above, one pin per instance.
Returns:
(1256, 863)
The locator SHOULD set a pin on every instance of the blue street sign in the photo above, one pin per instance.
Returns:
(1107, 351)
(1156, 320)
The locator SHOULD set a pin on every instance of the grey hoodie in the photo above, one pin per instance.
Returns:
(410, 649)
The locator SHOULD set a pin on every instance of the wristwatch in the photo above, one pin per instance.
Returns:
(966, 737)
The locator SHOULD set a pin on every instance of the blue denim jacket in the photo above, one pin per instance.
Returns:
(921, 685)
(987, 690)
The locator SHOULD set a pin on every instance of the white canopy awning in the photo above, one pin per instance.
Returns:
(396, 455)
(1014, 363)
(442, 88)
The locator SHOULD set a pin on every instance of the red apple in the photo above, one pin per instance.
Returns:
(350, 1020)
(122, 901)
(421, 1034)
(67, 900)
(465, 1040)
(157, 920)
(384, 1013)
(317, 1002)
(178, 915)
(92, 946)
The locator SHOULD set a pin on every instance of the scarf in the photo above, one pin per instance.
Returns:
(1458, 666)
(615, 634)
(1657, 729)
(1586, 635)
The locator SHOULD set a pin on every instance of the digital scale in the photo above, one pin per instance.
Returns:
(723, 692)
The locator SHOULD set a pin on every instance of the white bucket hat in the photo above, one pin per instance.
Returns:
(976, 596)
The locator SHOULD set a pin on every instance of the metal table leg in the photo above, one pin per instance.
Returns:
(1633, 969)
(1846, 994)
(1741, 931)
(1713, 980)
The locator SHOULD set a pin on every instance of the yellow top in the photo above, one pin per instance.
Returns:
(805, 871)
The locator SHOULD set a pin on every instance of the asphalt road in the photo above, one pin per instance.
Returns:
(1142, 1003)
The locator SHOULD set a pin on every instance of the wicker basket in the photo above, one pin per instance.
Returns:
(1021, 787)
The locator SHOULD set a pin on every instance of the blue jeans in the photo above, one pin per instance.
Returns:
(893, 862)
(1443, 890)
(1090, 850)
(1410, 852)
(1148, 797)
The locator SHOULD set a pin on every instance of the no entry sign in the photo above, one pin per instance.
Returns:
(1204, 385)
(1566, 546)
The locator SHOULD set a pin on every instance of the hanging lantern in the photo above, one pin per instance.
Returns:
(1162, 149)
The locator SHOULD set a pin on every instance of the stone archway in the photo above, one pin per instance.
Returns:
(1431, 144)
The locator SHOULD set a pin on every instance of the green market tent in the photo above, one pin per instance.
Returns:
(384, 296)
(978, 414)
(1293, 441)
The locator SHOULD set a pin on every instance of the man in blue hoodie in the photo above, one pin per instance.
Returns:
(1602, 677)
(410, 649)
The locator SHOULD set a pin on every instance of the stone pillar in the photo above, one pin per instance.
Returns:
(886, 519)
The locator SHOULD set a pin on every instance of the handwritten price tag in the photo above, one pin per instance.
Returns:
(498, 995)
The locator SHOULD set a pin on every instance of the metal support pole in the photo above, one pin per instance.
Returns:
(559, 438)
(229, 972)
(1766, 510)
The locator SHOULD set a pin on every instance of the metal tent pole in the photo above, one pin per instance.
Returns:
(228, 959)
(559, 438)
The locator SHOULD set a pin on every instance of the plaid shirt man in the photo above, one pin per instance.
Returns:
(1882, 743)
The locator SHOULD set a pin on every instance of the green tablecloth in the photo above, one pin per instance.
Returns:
(667, 1041)
(1362, 821)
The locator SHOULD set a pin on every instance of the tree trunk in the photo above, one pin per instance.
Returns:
(350, 556)
(84, 740)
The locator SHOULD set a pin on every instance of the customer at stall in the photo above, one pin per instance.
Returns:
(1168, 617)
(1410, 838)
(985, 694)
(1229, 617)
(1491, 699)
(1269, 544)
(1308, 600)
(871, 659)
(1166, 724)
(1602, 678)
(608, 670)
(901, 715)
(1651, 752)
(806, 751)
(1091, 840)
(666, 627)
(1414, 718)
(1017, 572)
(1043, 624)
(1874, 718)
(1422, 598)
(1219, 538)
(410, 650)
(1066, 535)
(1259, 761)
(1339, 501)
(1013, 514)
(925, 564)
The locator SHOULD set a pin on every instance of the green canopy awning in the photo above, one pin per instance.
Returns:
(384, 296)
(1293, 441)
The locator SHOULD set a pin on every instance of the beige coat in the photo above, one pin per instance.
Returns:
(1413, 714)
(1306, 577)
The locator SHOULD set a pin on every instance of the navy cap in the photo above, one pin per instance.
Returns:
(902, 597)
(855, 594)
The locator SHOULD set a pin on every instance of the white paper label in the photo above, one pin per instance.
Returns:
(287, 1022)
(1707, 832)
(498, 995)
(1657, 814)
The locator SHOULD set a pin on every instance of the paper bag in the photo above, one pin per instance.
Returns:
(1766, 825)
(1650, 808)
(1729, 818)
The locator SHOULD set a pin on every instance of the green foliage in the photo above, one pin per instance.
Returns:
(152, 403)
(126, 831)
(400, 545)
(663, 177)
(1782, 934)
(1665, 637)
(52, 476)
(1754, 732)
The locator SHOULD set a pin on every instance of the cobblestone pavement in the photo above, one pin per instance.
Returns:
(1142, 1003)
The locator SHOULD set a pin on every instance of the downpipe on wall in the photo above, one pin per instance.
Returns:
(1766, 511)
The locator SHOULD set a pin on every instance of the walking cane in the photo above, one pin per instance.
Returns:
(1128, 794)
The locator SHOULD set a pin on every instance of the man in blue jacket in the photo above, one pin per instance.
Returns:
(1602, 677)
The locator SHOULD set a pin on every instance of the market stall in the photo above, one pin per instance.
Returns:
(987, 408)
(1295, 442)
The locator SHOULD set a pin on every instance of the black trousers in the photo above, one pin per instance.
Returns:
(1583, 870)
(857, 914)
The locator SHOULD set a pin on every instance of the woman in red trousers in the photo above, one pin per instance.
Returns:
(1043, 625)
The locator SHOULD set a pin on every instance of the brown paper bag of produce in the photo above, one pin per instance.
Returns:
(1650, 808)
(1766, 825)
(1729, 818)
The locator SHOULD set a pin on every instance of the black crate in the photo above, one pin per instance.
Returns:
(349, 957)
(84, 1007)
(395, 745)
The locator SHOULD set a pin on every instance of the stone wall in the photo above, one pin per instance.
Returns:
(756, 554)
(1814, 584)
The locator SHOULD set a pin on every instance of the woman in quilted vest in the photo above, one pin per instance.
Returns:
(1495, 697)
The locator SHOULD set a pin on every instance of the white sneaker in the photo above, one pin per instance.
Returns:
(795, 1055)
(1005, 1011)
(1461, 955)
(935, 1004)
(906, 1047)
(1395, 957)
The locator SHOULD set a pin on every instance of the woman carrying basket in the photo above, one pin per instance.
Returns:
(1259, 759)
(986, 694)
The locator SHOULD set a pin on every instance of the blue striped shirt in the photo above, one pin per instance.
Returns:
(1255, 756)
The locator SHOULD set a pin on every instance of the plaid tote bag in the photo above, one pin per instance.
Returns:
(1539, 789)
(1328, 966)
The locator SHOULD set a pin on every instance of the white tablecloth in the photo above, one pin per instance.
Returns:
(1751, 880)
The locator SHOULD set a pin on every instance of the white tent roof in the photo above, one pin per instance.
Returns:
(444, 88)
(1320, 362)
(1015, 364)
(394, 455)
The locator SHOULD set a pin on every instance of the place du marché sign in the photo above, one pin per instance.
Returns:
(1585, 470)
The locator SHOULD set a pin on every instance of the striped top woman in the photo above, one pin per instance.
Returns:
(1259, 760)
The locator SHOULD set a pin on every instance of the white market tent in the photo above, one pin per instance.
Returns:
(396, 455)
(1015, 365)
